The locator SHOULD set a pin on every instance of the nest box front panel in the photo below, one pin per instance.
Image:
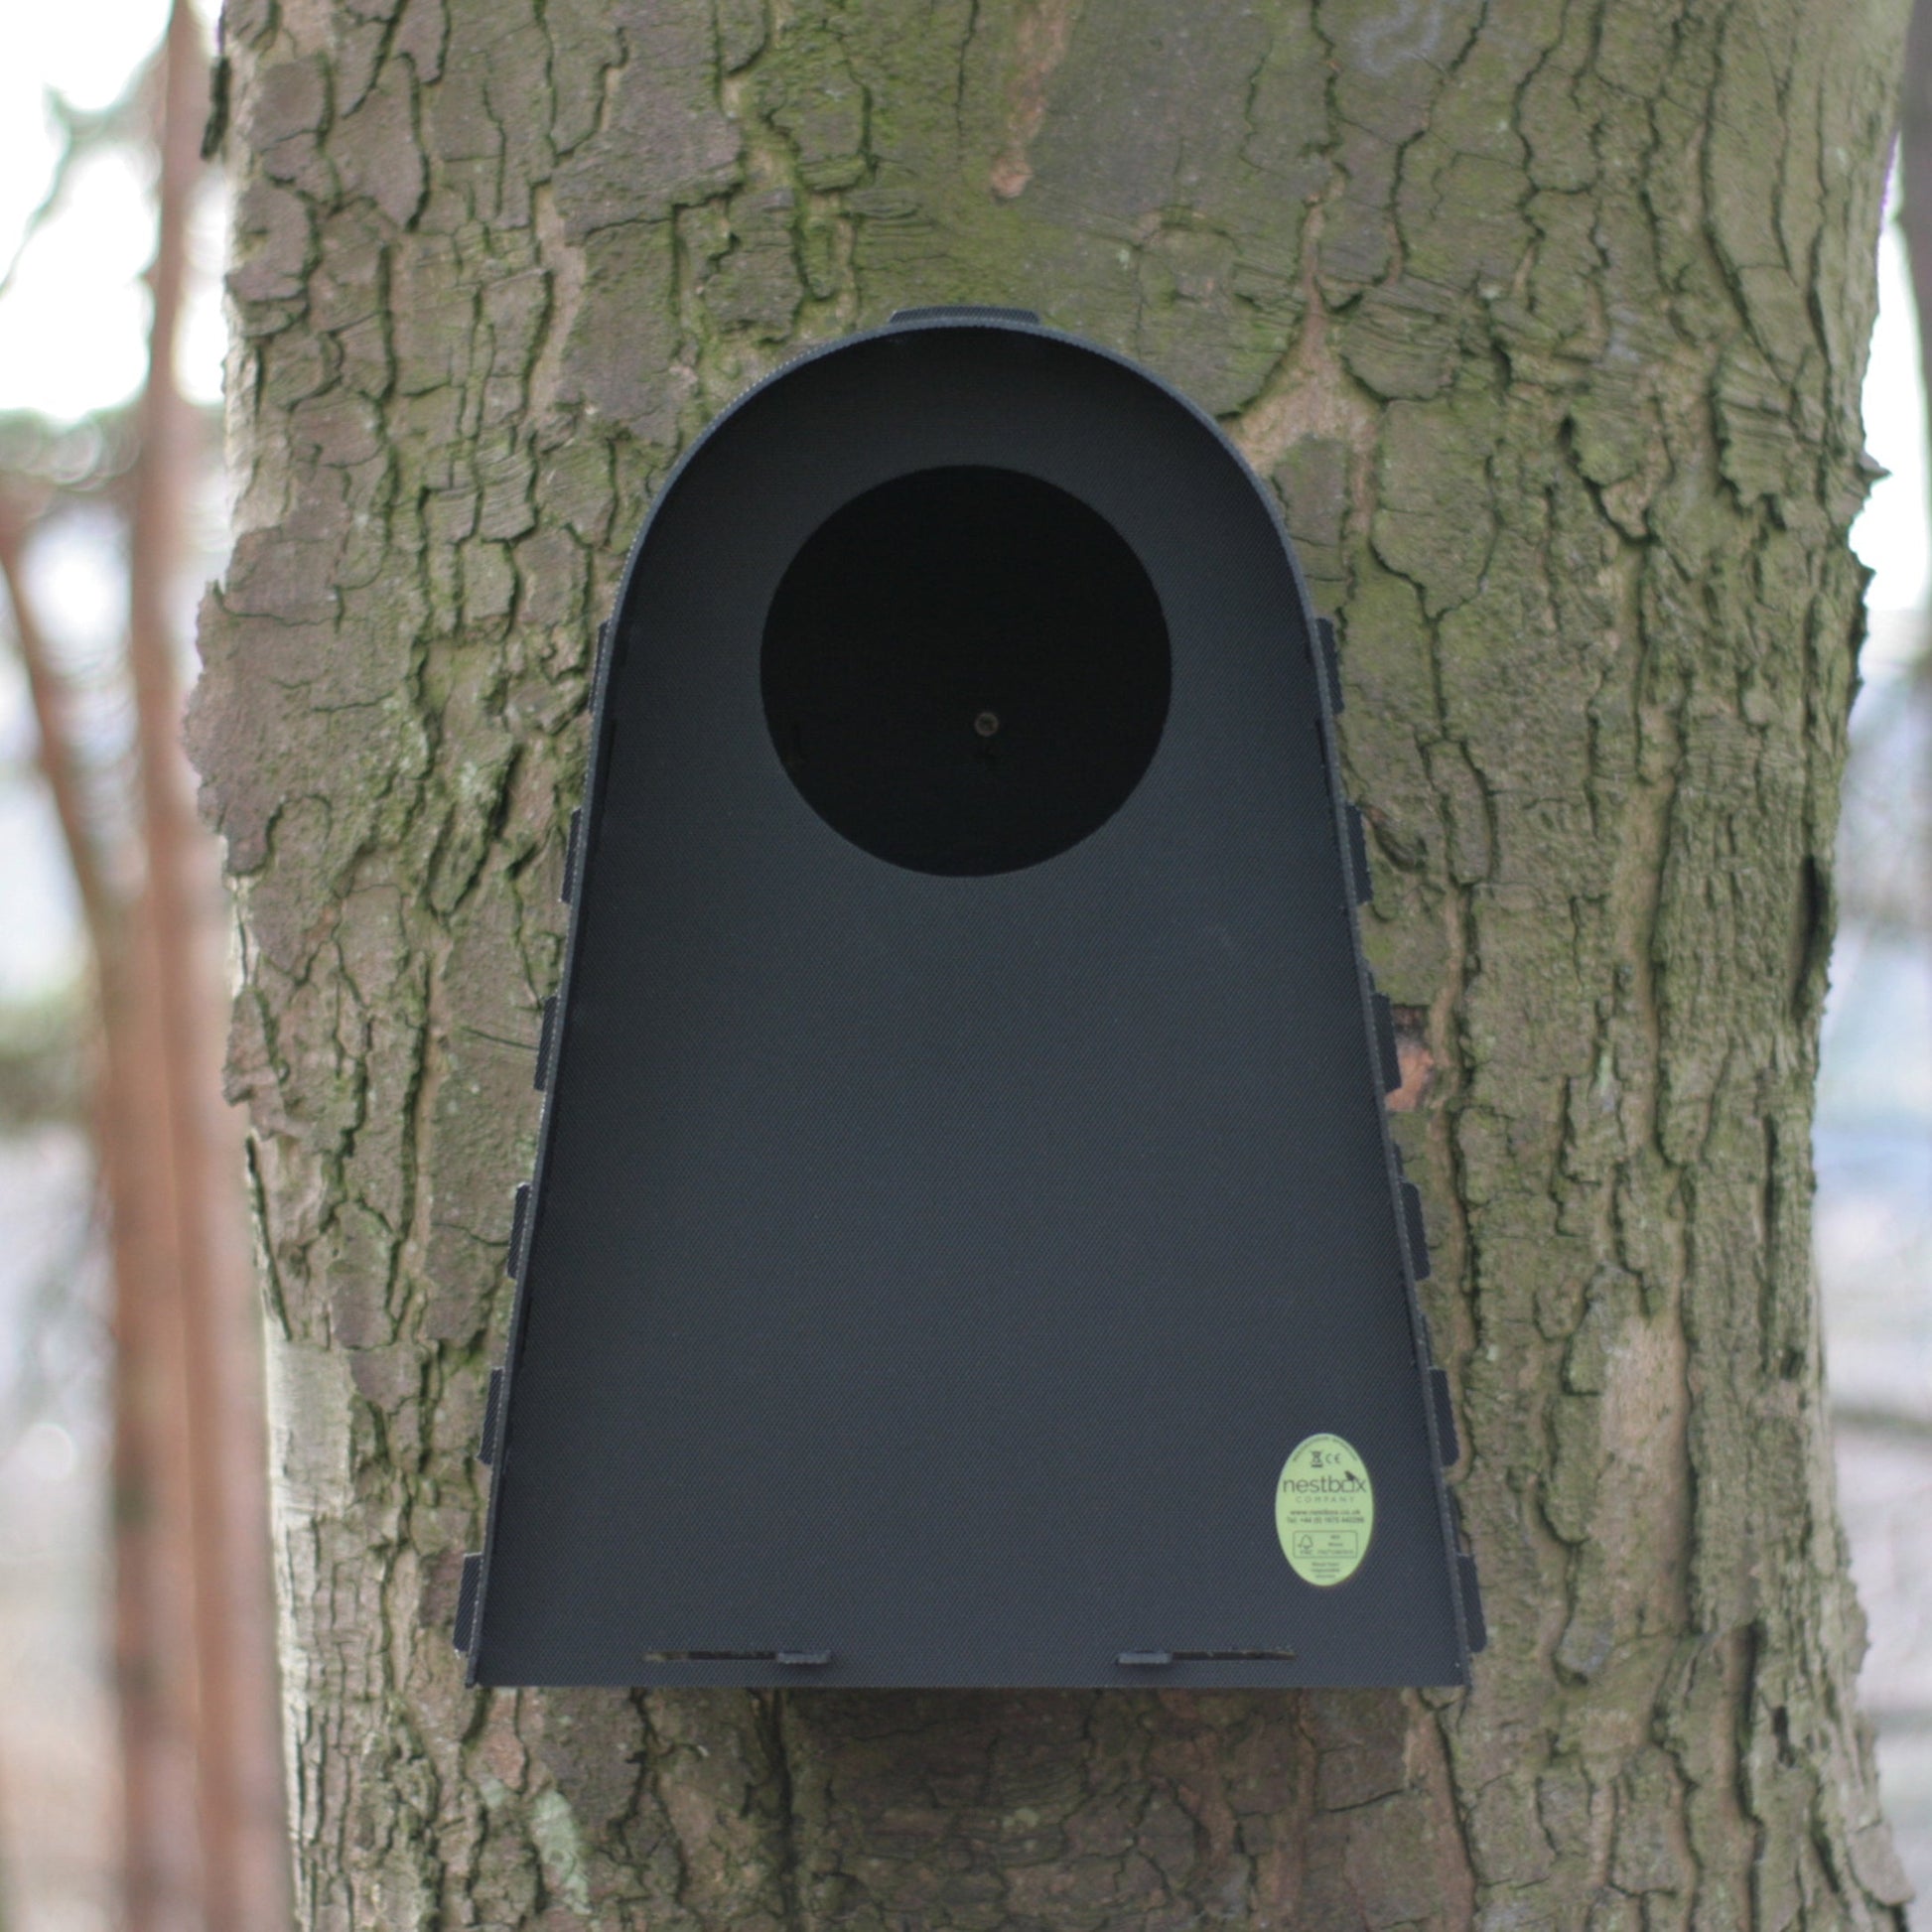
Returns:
(964, 1189)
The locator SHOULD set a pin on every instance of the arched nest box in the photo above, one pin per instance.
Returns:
(966, 1246)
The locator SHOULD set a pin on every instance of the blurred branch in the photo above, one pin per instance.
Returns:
(1874, 1419)
(202, 1838)
(237, 1746)
(55, 751)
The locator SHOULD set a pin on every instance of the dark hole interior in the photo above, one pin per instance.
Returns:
(965, 671)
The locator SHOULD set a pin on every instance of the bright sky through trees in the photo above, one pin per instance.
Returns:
(72, 340)
(1891, 536)
(72, 325)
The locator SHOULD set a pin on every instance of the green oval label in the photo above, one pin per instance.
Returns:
(1325, 1510)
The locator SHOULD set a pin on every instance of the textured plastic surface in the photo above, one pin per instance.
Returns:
(929, 1274)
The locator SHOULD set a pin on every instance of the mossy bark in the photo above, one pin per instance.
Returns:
(1548, 319)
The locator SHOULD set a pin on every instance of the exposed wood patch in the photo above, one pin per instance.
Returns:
(1413, 1057)
(1043, 33)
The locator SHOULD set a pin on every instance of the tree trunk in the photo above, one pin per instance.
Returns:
(1548, 323)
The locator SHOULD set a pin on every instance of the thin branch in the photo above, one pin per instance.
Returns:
(54, 754)
(237, 1749)
(1878, 1419)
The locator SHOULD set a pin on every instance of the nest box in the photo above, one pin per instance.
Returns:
(966, 1246)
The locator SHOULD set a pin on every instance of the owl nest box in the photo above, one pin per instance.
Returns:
(966, 1246)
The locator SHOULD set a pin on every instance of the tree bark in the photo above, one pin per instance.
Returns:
(1548, 322)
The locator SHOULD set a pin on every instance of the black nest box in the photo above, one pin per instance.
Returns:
(966, 1246)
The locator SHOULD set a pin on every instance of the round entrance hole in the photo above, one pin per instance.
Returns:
(965, 671)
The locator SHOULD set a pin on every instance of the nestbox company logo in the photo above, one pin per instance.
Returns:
(1325, 1510)
(1348, 1481)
